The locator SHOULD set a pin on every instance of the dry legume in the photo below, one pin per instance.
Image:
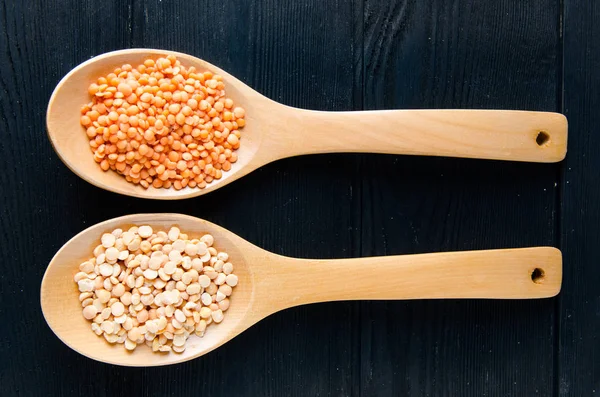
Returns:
(164, 125)
(157, 288)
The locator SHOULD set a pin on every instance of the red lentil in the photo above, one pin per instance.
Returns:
(162, 124)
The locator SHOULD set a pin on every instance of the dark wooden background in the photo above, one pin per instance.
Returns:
(330, 55)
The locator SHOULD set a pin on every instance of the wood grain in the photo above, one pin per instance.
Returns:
(579, 350)
(292, 207)
(458, 55)
(415, 55)
(39, 43)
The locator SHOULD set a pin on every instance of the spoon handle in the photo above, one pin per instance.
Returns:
(484, 134)
(498, 274)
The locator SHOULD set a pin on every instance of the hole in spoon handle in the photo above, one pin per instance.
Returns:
(538, 275)
(542, 138)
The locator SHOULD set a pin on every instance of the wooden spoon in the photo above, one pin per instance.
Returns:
(275, 131)
(269, 283)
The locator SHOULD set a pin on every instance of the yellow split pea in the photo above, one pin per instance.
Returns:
(164, 125)
(154, 287)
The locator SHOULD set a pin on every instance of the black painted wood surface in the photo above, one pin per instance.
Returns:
(330, 55)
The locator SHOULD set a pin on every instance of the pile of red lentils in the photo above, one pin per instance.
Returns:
(163, 125)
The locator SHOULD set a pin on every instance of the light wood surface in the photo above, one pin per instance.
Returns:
(270, 283)
(274, 131)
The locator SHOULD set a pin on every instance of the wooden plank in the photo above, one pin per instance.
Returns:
(579, 368)
(302, 54)
(458, 54)
(42, 204)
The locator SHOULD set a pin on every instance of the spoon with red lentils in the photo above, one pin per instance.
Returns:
(157, 289)
(165, 125)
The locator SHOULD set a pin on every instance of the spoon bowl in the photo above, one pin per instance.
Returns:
(62, 309)
(72, 145)
(269, 283)
(274, 131)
